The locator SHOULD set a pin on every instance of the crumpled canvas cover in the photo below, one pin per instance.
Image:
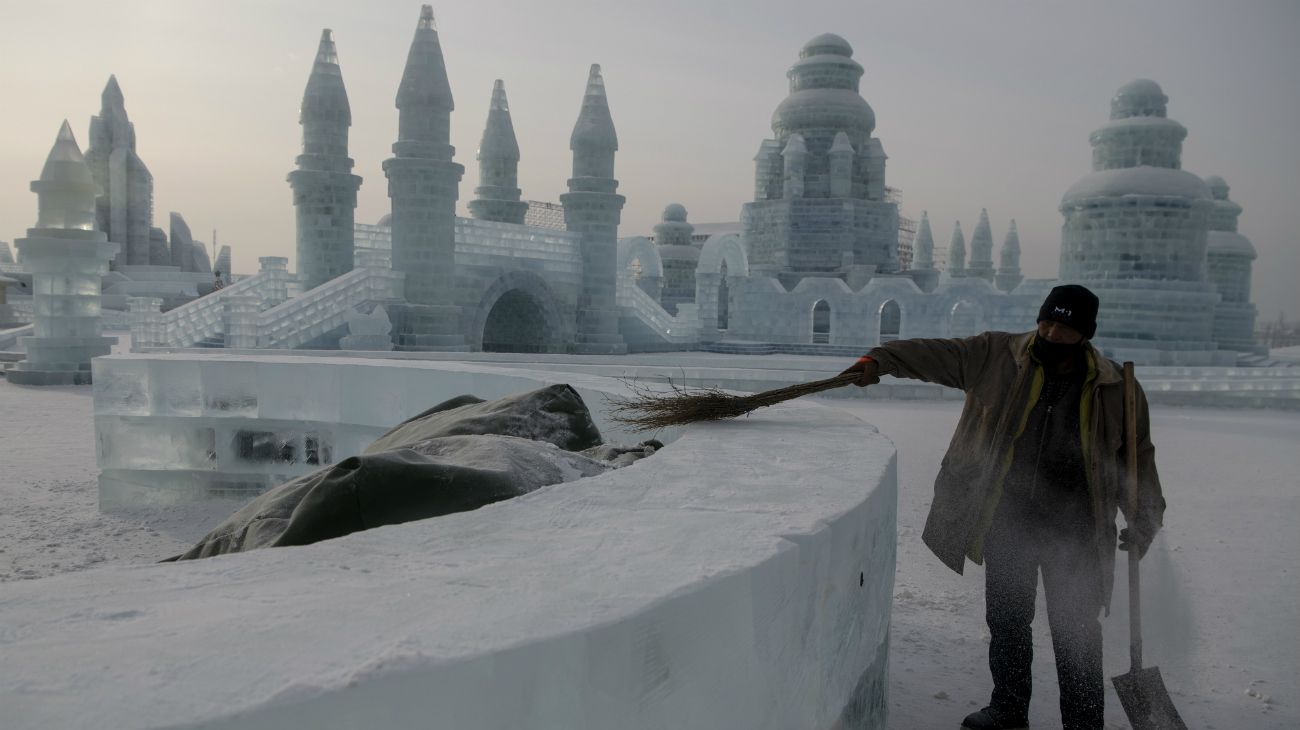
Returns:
(455, 457)
(555, 414)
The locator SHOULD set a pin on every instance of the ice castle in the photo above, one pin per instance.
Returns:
(815, 266)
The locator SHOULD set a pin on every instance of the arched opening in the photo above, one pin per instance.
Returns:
(963, 320)
(516, 323)
(821, 321)
(724, 298)
(891, 320)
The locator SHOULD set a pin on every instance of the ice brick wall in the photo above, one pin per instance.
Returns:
(695, 589)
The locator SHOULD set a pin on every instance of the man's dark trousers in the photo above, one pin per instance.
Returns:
(1017, 547)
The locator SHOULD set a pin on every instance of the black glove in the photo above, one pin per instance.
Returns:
(1127, 539)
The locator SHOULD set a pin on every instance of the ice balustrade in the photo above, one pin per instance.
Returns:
(204, 317)
(683, 328)
(325, 308)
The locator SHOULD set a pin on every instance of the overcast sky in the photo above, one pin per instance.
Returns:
(978, 103)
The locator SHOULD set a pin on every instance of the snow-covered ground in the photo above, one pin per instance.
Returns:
(1221, 584)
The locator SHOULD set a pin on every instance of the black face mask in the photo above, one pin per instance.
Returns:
(1056, 353)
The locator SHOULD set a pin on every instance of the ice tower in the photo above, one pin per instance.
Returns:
(1134, 233)
(423, 185)
(1228, 260)
(66, 257)
(592, 207)
(124, 205)
(679, 255)
(324, 188)
(819, 206)
(497, 196)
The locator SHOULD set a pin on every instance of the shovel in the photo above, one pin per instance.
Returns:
(1141, 691)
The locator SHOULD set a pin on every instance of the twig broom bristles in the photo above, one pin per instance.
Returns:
(648, 410)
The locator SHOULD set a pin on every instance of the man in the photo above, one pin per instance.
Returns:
(217, 282)
(1032, 481)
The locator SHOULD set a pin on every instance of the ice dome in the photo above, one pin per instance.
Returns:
(1218, 187)
(824, 92)
(675, 212)
(1139, 98)
(1229, 243)
(386, 221)
(826, 43)
(1153, 181)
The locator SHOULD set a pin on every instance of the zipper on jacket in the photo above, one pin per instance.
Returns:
(1038, 458)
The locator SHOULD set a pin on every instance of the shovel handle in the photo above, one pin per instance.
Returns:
(1131, 487)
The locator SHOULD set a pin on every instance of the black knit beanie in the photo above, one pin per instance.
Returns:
(1073, 305)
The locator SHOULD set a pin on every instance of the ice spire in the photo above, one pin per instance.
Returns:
(1009, 276)
(957, 252)
(324, 188)
(923, 246)
(424, 98)
(499, 135)
(325, 114)
(594, 140)
(981, 249)
(66, 191)
(497, 196)
(111, 99)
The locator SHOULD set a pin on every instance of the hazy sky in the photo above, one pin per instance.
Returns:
(978, 103)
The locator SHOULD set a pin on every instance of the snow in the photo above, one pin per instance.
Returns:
(692, 589)
(1221, 615)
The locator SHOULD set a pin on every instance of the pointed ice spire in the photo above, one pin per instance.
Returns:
(497, 196)
(66, 190)
(841, 143)
(595, 127)
(111, 99)
(65, 162)
(1009, 276)
(326, 98)
(1011, 248)
(424, 80)
(923, 246)
(981, 249)
(499, 140)
(957, 252)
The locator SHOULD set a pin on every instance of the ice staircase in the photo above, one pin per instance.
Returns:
(203, 320)
(257, 313)
(647, 325)
(304, 318)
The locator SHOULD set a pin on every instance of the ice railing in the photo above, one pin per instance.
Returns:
(204, 317)
(325, 308)
(683, 328)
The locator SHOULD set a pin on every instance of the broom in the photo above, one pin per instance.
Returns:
(648, 410)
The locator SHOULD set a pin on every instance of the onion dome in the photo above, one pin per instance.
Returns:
(824, 91)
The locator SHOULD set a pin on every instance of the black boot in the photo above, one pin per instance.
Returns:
(988, 719)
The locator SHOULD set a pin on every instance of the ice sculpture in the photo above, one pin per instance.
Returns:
(66, 257)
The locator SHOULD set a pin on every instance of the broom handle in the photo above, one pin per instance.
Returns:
(1134, 583)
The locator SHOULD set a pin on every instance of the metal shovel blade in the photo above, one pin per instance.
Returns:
(1146, 701)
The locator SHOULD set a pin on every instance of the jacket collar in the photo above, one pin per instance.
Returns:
(1105, 369)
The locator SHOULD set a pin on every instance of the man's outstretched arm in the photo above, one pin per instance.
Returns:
(951, 362)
